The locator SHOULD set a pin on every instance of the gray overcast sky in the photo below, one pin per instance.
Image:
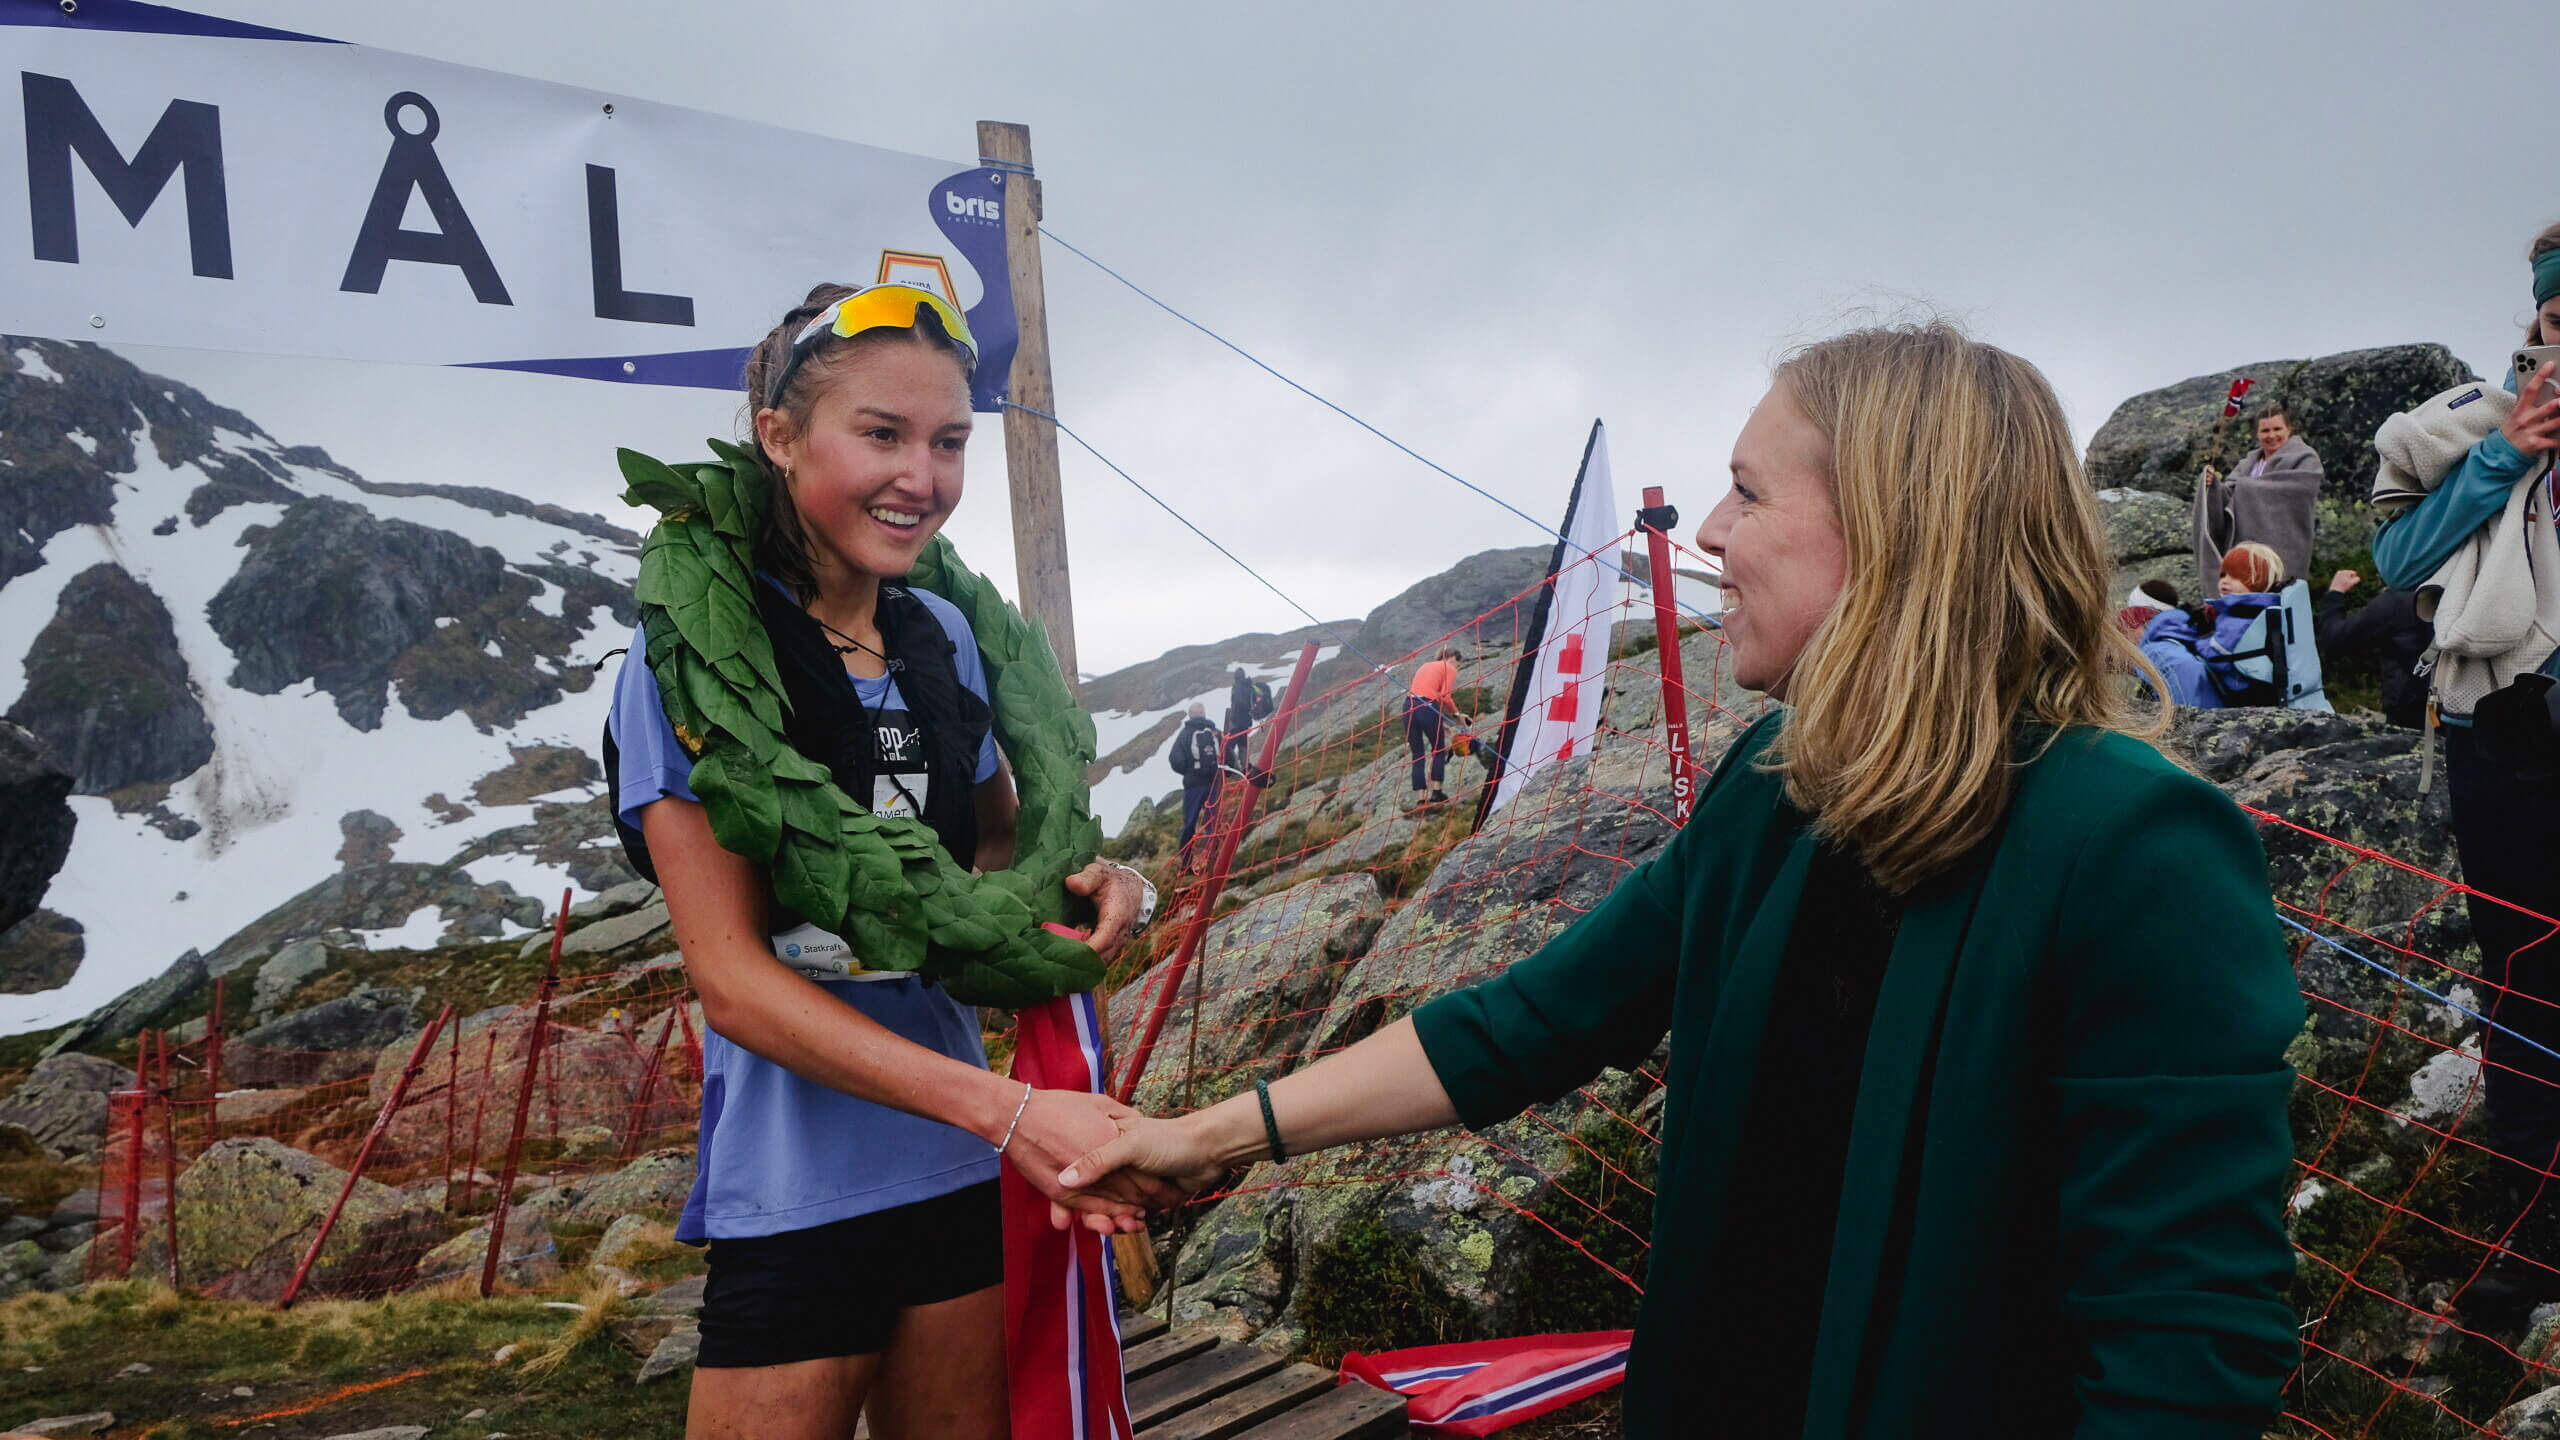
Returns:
(1482, 225)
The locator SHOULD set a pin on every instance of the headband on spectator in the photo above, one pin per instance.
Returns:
(2546, 276)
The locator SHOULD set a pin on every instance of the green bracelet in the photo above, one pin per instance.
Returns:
(1270, 1125)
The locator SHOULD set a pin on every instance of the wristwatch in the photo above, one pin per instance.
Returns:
(1147, 896)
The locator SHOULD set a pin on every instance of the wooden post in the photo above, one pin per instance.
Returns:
(1030, 442)
(452, 1107)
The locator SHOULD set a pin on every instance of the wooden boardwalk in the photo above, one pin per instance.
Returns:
(1193, 1387)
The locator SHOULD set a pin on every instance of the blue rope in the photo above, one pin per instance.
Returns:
(2446, 1000)
(1265, 367)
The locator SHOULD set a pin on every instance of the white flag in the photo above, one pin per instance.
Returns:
(1556, 698)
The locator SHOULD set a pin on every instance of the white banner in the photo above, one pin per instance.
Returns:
(1558, 710)
(169, 178)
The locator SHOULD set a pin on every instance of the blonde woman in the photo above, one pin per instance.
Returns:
(1966, 1135)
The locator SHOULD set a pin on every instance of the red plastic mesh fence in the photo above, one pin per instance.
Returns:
(1346, 904)
(614, 1096)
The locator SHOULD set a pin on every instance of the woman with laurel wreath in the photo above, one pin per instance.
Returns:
(851, 1131)
(1965, 1133)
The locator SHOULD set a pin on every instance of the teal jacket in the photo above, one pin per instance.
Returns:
(2070, 1140)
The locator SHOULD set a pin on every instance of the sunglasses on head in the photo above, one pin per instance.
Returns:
(878, 307)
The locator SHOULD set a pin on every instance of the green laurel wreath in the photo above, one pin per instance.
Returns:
(890, 888)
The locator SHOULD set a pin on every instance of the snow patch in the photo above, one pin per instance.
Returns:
(32, 363)
(87, 445)
(421, 931)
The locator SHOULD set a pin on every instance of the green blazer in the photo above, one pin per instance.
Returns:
(2063, 1212)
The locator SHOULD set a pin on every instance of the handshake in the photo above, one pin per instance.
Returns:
(1104, 1165)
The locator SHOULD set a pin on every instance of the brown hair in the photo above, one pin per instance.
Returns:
(2543, 244)
(1975, 598)
(782, 545)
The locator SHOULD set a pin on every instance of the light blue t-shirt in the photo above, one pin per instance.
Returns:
(779, 1152)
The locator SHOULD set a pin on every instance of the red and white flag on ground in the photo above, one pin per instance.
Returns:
(1488, 1385)
(1061, 1296)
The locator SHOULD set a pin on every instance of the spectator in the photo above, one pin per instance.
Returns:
(1195, 758)
(2148, 599)
(2388, 625)
(2268, 497)
(1239, 718)
(1428, 707)
(2251, 568)
(2467, 467)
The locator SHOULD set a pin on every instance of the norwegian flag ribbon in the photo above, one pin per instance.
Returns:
(2231, 402)
(1061, 1295)
(1483, 1386)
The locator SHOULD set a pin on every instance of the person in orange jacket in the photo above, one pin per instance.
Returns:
(1428, 707)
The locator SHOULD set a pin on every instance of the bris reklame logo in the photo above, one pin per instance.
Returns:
(971, 207)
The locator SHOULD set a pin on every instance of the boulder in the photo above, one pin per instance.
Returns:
(63, 1102)
(2150, 538)
(587, 1078)
(143, 1005)
(1263, 976)
(34, 794)
(645, 925)
(530, 1261)
(258, 1107)
(630, 895)
(2536, 1417)
(331, 1041)
(624, 1239)
(40, 952)
(247, 1210)
(366, 838)
(2158, 440)
(284, 972)
(655, 1184)
(96, 1422)
(677, 1352)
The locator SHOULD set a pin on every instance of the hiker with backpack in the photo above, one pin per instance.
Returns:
(1248, 704)
(2467, 494)
(1195, 759)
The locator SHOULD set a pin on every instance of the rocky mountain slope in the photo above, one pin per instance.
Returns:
(232, 644)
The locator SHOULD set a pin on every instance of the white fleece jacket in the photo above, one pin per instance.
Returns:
(2496, 601)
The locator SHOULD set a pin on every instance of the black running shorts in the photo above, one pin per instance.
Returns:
(836, 1289)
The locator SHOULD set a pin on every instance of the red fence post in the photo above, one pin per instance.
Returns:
(168, 1091)
(452, 1106)
(381, 1122)
(648, 1085)
(479, 1108)
(692, 1042)
(524, 1099)
(213, 1067)
(1198, 925)
(1666, 634)
(132, 1171)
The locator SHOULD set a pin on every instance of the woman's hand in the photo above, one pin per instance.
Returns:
(1059, 1125)
(1117, 892)
(2533, 427)
(1165, 1160)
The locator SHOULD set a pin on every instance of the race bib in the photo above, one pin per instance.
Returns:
(822, 955)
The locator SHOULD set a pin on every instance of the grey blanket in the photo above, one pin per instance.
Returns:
(2274, 509)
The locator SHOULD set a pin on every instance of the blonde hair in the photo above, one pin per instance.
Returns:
(2266, 555)
(1975, 601)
